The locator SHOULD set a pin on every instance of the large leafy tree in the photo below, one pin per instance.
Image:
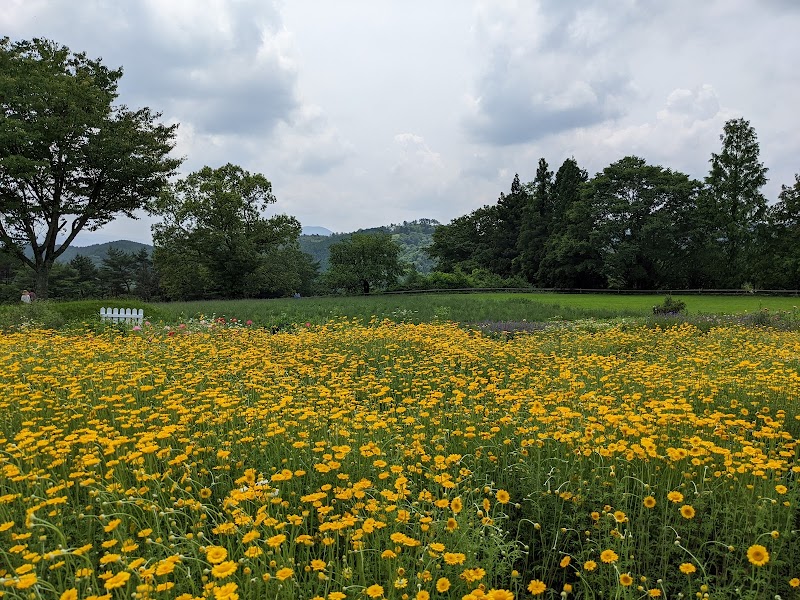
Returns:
(214, 241)
(70, 159)
(734, 203)
(486, 239)
(363, 262)
(778, 262)
(457, 244)
(642, 215)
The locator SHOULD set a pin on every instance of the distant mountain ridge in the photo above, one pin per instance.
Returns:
(97, 252)
(412, 237)
(314, 230)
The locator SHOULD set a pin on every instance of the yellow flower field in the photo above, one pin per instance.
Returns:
(399, 461)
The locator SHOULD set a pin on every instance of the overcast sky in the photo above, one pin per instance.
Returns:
(368, 112)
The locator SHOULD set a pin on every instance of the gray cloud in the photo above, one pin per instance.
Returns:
(560, 74)
(223, 67)
(362, 113)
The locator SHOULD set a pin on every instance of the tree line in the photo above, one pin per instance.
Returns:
(636, 226)
(73, 159)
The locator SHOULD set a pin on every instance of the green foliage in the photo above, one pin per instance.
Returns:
(456, 245)
(77, 311)
(641, 213)
(484, 239)
(69, 159)
(734, 203)
(477, 279)
(670, 306)
(41, 314)
(97, 252)
(363, 263)
(777, 262)
(88, 277)
(537, 221)
(117, 272)
(412, 237)
(571, 260)
(214, 242)
(635, 226)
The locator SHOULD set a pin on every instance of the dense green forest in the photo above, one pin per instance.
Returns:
(636, 226)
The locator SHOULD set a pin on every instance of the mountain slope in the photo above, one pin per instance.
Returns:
(412, 237)
(98, 251)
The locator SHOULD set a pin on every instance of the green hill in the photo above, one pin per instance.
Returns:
(412, 237)
(97, 252)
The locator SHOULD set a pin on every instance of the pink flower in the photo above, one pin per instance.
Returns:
(249, 322)
(182, 326)
(137, 328)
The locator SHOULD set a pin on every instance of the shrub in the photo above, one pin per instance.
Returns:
(41, 314)
(670, 307)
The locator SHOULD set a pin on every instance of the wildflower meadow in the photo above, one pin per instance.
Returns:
(399, 461)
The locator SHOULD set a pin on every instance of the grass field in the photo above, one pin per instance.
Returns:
(398, 461)
(469, 308)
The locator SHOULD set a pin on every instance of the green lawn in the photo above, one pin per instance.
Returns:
(418, 308)
(471, 308)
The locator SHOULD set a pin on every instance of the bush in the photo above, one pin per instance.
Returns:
(36, 314)
(670, 307)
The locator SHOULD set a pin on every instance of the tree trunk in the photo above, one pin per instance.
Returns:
(42, 279)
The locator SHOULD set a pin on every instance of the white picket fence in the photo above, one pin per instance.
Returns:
(122, 315)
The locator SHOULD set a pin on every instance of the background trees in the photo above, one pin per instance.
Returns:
(636, 226)
(215, 243)
(69, 159)
(734, 203)
(362, 263)
(640, 217)
(569, 258)
(537, 220)
(778, 256)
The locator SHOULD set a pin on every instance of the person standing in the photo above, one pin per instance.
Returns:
(26, 297)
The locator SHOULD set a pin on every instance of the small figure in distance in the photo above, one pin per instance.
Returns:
(26, 297)
(32, 294)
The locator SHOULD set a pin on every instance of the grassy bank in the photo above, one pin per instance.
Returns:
(468, 308)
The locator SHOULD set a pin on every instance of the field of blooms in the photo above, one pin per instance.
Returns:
(399, 461)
